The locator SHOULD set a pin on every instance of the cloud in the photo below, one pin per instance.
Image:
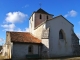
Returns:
(2, 41)
(71, 13)
(13, 17)
(8, 27)
(25, 30)
(12, 27)
(25, 6)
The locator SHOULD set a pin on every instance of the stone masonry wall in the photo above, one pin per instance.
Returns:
(45, 42)
(75, 45)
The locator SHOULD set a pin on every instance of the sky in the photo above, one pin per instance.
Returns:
(14, 14)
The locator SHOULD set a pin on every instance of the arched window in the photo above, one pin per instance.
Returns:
(61, 36)
(40, 16)
(47, 16)
(30, 49)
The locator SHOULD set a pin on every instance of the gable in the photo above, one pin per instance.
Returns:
(60, 17)
(66, 20)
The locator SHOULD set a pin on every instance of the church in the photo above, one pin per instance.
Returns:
(48, 37)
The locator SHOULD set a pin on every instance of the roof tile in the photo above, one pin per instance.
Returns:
(24, 37)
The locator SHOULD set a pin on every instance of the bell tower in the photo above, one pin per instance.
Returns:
(37, 18)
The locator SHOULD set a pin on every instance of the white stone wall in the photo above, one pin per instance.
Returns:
(36, 17)
(38, 32)
(7, 46)
(21, 50)
(45, 48)
(46, 43)
(59, 47)
(32, 23)
(4, 50)
(8, 37)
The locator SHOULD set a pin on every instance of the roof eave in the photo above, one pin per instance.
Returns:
(26, 42)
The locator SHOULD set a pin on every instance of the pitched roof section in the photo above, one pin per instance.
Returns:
(53, 19)
(62, 17)
(42, 11)
(23, 37)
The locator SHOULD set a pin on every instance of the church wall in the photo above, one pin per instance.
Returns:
(50, 17)
(35, 21)
(45, 48)
(7, 51)
(32, 23)
(4, 51)
(59, 47)
(7, 47)
(38, 20)
(7, 37)
(38, 32)
(75, 45)
(21, 50)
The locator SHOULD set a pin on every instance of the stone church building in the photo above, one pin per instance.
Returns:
(49, 37)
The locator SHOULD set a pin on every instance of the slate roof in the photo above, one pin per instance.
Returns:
(42, 11)
(23, 37)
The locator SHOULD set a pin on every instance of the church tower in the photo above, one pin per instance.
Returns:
(38, 29)
(37, 18)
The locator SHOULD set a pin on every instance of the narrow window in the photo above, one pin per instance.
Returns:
(30, 49)
(40, 16)
(47, 17)
(60, 35)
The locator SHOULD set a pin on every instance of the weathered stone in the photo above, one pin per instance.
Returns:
(45, 33)
(75, 45)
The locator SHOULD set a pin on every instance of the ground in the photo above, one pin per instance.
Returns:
(66, 58)
(2, 57)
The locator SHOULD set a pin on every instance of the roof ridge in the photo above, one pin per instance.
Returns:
(26, 37)
(40, 10)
